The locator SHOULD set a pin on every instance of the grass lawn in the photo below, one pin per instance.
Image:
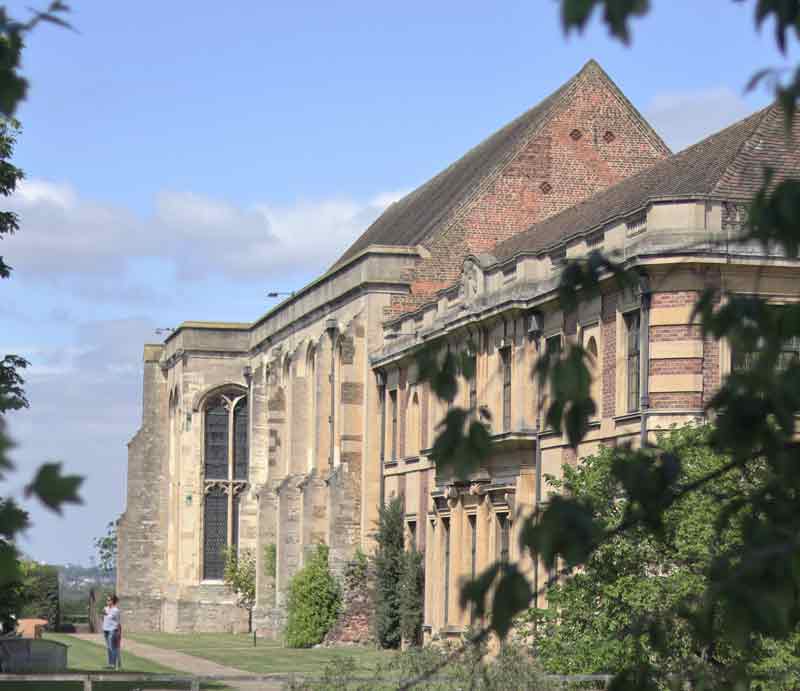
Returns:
(84, 656)
(266, 658)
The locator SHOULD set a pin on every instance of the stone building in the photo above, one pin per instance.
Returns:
(292, 430)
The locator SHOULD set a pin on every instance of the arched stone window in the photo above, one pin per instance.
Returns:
(311, 378)
(225, 466)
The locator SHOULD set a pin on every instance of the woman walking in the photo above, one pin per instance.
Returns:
(112, 631)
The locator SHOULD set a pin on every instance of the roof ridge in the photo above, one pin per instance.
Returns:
(617, 195)
(647, 129)
(547, 103)
(558, 96)
(760, 116)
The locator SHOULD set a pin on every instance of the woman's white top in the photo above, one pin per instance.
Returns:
(110, 618)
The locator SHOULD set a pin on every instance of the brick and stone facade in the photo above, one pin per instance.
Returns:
(326, 416)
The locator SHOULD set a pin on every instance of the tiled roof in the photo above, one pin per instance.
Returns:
(418, 215)
(726, 165)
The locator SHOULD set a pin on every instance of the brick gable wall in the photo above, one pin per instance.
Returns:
(554, 171)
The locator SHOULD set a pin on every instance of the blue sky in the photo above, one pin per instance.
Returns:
(185, 158)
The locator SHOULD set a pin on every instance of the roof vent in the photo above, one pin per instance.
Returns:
(576, 134)
(609, 137)
(546, 188)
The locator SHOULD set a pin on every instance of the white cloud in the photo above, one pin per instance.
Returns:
(85, 398)
(683, 118)
(63, 234)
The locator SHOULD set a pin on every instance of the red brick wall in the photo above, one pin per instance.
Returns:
(676, 400)
(675, 298)
(687, 365)
(571, 171)
(675, 333)
(680, 400)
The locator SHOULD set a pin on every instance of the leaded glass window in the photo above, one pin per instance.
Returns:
(217, 424)
(240, 448)
(226, 472)
(215, 533)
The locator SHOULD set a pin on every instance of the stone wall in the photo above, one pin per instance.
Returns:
(141, 572)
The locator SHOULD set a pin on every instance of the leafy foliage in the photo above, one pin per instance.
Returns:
(313, 603)
(623, 608)
(745, 592)
(41, 592)
(513, 668)
(356, 572)
(240, 577)
(463, 441)
(388, 560)
(49, 486)
(412, 591)
(271, 560)
(106, 548)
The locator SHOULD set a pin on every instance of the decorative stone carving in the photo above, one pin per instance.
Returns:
(472, 283)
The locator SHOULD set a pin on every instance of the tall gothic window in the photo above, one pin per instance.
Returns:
(226, 466)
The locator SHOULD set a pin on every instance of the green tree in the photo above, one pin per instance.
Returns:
(48, 484)
(750, 590)
(388, 562)
(41, 593)
(313, 603)
(106, 548)
(411, 596)
(240, 577)
(598, 621)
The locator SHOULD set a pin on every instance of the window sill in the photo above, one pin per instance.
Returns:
(212, 581)
(628, 417)
(390, 464)
(515, 439)
(412, 459)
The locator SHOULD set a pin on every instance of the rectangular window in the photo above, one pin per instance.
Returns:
(553, 346)
(446, 539)
(552, 349)
(473, 388)
(505, 356)
(790, 352)
(632, 360)
(412, 534)
(473, 532)
(502, 537)
(393, 412)
(382, 399)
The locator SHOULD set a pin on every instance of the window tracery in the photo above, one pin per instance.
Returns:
(226, 468)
